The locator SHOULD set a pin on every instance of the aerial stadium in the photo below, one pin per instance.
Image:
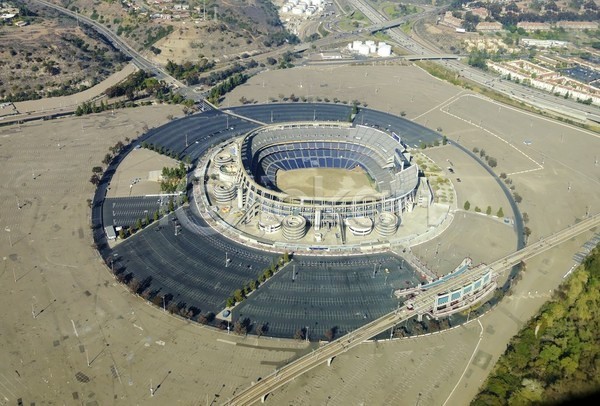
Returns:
(299, 181)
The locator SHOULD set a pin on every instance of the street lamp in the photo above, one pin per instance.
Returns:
(9, 239)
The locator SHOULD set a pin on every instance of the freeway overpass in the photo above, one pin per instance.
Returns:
(423, 303)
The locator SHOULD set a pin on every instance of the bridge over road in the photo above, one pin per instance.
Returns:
(422, 304)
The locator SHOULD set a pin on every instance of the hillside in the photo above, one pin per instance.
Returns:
(51, 56)
(556, 357)
(186, 31)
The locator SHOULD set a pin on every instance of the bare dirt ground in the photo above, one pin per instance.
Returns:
(50, 271)
(325, 182)
(391, 88)
(133, 177)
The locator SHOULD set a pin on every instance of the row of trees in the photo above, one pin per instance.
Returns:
(492, 162)
(167, 152)
(488, 211)
(435, 143)
(97, 171)
(241, 294)
(225, 87)
(555, 356)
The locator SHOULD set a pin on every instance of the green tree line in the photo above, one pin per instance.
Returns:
(556, 356)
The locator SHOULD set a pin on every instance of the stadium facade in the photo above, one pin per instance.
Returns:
(248, 171)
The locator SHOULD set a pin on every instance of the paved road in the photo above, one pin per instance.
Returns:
(422, 303)
(538, 98)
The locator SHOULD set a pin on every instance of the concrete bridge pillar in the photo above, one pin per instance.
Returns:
(419, 317)
(329, 361)
(263, 398)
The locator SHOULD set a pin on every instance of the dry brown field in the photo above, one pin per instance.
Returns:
(326, 182)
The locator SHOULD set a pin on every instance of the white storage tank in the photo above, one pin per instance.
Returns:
(363, 49)
(385, 50)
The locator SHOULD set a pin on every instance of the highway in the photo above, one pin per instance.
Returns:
(531, 96)
(422, 304)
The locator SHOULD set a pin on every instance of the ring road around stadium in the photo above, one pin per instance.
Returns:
(346, 199)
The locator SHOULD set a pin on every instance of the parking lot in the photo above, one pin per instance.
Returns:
(189, 265)
(125, 211)
(322, 293)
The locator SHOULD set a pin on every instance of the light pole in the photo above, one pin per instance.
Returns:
(164, 307)
(306, 334)
(226, 260)
(9, 238)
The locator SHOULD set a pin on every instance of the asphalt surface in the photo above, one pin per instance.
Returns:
(125, 211)
(181, 255)
(189, 265)
(318, 294)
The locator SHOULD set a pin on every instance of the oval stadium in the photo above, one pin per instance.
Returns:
(294, 177)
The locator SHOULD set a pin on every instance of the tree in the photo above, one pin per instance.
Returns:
(488, 211)
(107, 159)
(238, 295)
(517, 197)
(230, 302)
(156, 215)
(134, 285)
(444, 140)
(525, 217)
(95, 179)
(492, 162)
(527, 232)
(173, 307)
(242, 327)
(330, 333)
(500, 213)
(467, 205)
(261, 329)
(300, 334)
(97, 169)
(477, 209)
(138, 224)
